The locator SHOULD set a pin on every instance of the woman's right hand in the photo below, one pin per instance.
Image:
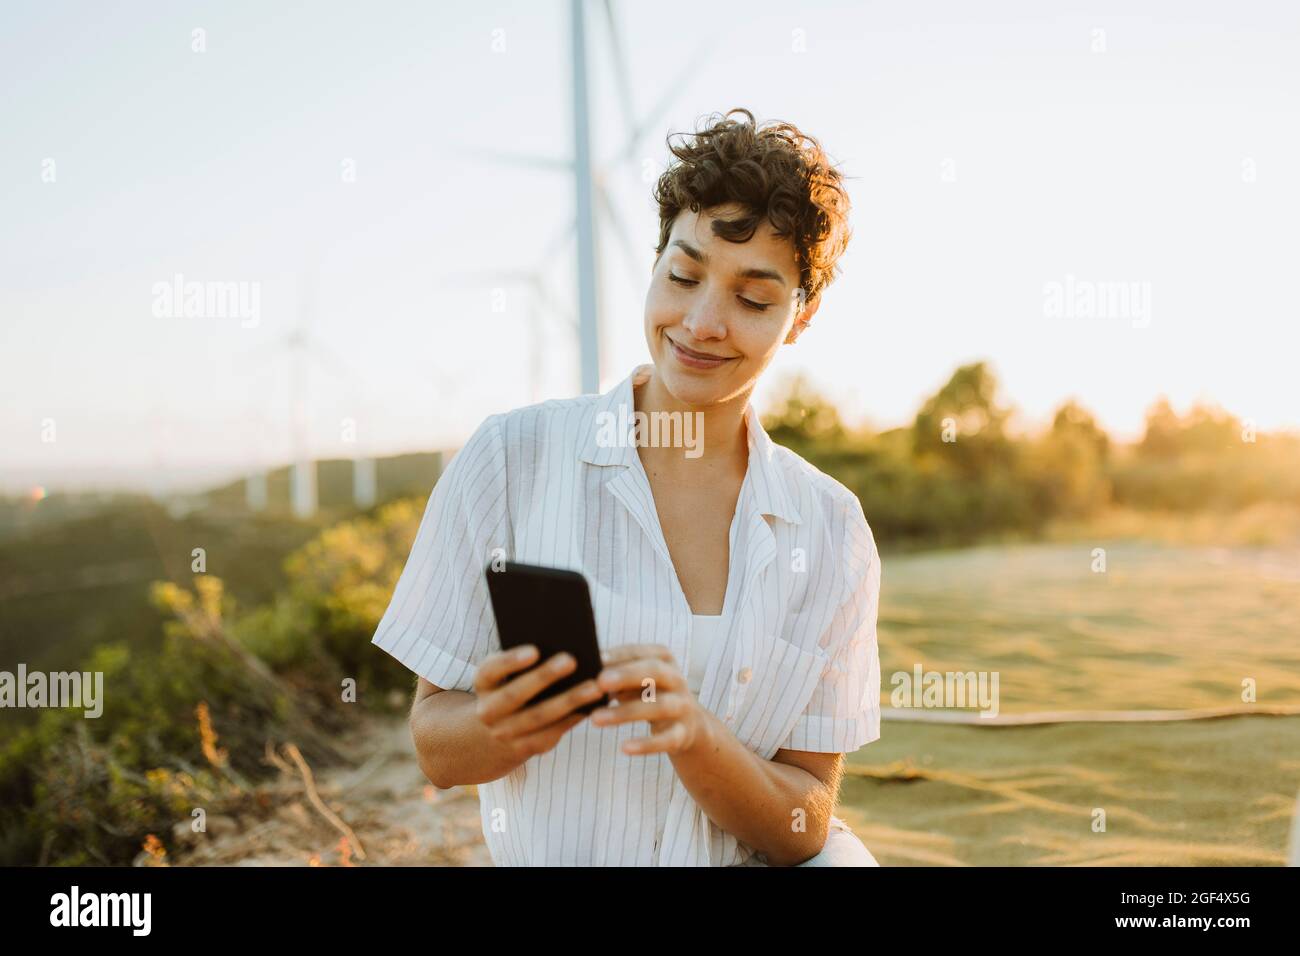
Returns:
(503, 706)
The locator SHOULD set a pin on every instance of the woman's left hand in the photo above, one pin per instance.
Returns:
(648, 685)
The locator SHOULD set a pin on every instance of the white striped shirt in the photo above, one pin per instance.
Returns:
(795, 664)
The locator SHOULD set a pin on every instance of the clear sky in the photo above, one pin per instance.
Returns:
(334, 156)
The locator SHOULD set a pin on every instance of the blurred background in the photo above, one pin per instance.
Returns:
(264, 269)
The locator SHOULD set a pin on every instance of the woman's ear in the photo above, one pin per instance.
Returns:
(803, 318)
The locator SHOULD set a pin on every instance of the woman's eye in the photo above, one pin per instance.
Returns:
(682, 281)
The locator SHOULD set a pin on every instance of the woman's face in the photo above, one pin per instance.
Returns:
(717, 311)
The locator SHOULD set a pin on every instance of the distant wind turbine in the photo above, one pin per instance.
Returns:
(541, 303)
(303, 351)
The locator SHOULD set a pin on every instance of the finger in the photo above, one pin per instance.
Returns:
(546, 738)
(515, 693)
(648, 691)
(495, 668)
(634, 674)
(547, 712)
(512, 695)
(670, 740)
(667, 707)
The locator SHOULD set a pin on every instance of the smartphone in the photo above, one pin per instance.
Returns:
(549, 608)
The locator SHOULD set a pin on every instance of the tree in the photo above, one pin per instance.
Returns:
(1072, 422)
(1069, 463)
(1161, 439)
(802, 417)
(1205, 429)
(963, 424)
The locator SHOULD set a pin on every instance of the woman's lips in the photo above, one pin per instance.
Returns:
(695, 359)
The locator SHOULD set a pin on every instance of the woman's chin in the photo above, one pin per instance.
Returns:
(686, 392)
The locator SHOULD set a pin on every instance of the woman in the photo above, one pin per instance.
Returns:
(734, 585)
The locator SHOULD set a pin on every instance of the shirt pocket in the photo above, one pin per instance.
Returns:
(775, 689)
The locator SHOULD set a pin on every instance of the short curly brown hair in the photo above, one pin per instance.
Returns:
(777, 172)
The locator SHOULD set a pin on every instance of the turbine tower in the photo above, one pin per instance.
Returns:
(588, 314)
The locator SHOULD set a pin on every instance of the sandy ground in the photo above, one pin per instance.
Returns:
(397, 817)
(1196, 793)
(1199, 793)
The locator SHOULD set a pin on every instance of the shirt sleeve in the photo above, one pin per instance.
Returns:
(844, 711)
(439, 622)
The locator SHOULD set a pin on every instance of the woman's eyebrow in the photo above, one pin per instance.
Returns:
(702, 258)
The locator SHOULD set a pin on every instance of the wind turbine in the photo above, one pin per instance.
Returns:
(592, 198)
(302, 351)
(541, 302)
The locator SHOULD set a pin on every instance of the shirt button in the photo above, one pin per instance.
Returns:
(743, 675)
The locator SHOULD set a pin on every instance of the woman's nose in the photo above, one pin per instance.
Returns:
(704, 323)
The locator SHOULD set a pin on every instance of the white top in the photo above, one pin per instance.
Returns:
(704, 631)
(561, 484)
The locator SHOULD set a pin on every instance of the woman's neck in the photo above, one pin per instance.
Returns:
(719, 430)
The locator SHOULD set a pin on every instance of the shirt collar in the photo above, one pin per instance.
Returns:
(767, 479)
